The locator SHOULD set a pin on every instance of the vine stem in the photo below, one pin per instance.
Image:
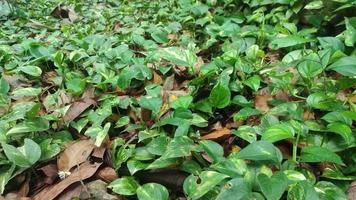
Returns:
(295, 147)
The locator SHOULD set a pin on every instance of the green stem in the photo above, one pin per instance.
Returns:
(295, 147)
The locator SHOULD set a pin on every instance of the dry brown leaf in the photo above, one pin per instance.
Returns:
(65, 12)
(51, 173)
(146, 115)
(72, 191)
(308, 114)
(341, 95)
(169, 83)
(157, 79)
(99, 152)
(74, 154)
(352, 98)
(14, 196)
(217, 134)
(198, 64)
(107, 174)
(261, 100)
(172, 36)
(351, 192)
(84, 171)
(80, 106)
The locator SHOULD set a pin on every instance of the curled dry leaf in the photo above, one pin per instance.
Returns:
(217, 134)
(96, 190)
(71, 192)
(65, 12)
(84, 171)
(80, 106)
(51, 173)
(261, 99)
(98, 152)
(351, 192)
(107, 174)
(308, 115)
(157, 79)
(74, 154)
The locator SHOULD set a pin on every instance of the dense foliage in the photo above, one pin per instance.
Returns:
(247, 99)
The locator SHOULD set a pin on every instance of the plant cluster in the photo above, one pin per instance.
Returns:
(244, 99)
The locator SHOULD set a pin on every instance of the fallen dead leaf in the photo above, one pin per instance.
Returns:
(96, 190)
(351, 192)
(74, 154)
(352, 98)
(261, 99)
(51, 173)
(217, 134)
(80, 106)
(84, 171)
(157, 79)
(71, 192)
(99, 152)
(64, 12)
(107, 174)
(308, 114)
(341, 95)
(198, 64)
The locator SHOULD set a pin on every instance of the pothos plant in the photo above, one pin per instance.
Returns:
(274, 79)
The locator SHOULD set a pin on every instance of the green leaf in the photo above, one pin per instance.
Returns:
(329, 191)
(29, 92)
(31, 125)
(336, 174)
(162, 163)
(178, 56)
(4, 86)
(126, 185)
(179, 147)
(235, 189)
(207, 181)
(246, 133)
(345, 66)
(350, 32)
(341, 129)
(31, 70)
(302, 190)
(135, 166)
(76, 85)
(331, 42)
(122, 121)
(273, 187)
(152, 191)
(151, 103)
(314, 5)
(288, 41)
(49, 149)
(220, 95)
(182, 102)
(244, 113)
(160, 36)
(261, 151)
(5, 176)
(278, 132)
(253, 82)
(213, 149)
(24, 156)
(319, 154)
(102, 134)
(310, 66)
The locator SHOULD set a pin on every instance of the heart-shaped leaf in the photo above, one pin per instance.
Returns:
(196, 186)
(152, 191)
(273, 187)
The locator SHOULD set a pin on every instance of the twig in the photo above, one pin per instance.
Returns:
(82, 183)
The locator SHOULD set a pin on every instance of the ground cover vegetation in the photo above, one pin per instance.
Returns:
(178, 99)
